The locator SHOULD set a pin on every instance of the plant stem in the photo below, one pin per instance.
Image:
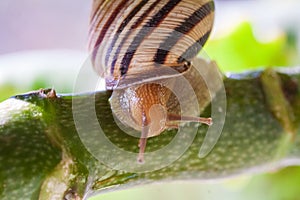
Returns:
(42, 148)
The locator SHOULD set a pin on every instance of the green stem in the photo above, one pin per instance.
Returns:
(42, 150)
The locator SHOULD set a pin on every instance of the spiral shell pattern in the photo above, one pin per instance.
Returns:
(133, 41)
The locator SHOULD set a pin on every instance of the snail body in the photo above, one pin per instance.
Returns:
(137, 42)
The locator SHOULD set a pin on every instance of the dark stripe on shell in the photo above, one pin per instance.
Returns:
(122, 27)
(184, 28)
(194, 49)
(134, 26)
(147, 28)
(96, 10)
(106, 27)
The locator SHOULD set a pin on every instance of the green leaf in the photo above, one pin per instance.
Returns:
(240, 50)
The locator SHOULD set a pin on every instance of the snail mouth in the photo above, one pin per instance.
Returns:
(158, 118)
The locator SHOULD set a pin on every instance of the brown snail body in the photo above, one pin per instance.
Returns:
(137, 42)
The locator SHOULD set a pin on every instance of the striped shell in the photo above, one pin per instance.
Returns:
(134, 41)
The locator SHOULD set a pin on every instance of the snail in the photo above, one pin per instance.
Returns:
(133, 43)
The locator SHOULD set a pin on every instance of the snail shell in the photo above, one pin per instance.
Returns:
(135, 41)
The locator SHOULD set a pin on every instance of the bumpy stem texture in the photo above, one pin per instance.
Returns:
(42, 155)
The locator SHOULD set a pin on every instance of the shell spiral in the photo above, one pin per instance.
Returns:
(140, 40)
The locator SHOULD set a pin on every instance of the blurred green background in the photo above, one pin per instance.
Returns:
(247, 35)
